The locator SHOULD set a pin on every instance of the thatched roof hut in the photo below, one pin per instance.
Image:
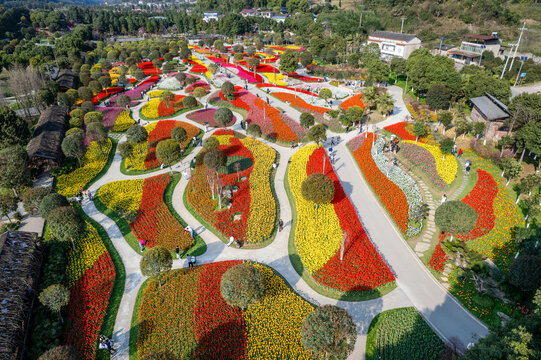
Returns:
(20, 263)
(44, 149)
(67, 80)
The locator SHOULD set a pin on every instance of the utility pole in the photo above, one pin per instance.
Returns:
(402, 26)
(518, 44)
(361, 20)
(507, 60)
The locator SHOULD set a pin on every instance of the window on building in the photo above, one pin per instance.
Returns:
(388, 47)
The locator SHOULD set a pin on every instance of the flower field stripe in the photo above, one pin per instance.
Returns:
(390, 195)
(219, 328)
(362, 267)
(399, 129)
(278, 316)
(318, 234)
(481, 199)
(281, 130)
(439, 257)
(110, 115)
(206, 116)
(123, 121)
(137, 161)
(162, 131)
(92, 164)
(168, 325)
(354, 100)
(169, 232)
(447, 168)
(423, 159)
(123, 195)
(300, 103)
(262, 213)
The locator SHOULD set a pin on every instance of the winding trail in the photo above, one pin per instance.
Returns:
(416, 286)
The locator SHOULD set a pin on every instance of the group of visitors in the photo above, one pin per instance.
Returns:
(84, 194)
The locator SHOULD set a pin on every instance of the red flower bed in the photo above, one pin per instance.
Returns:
(150, 80)
(197, 68)
(300, 103)
(354, 100)
(481, 198)
(265, 85)
(105, 93)
(390, 195)
(161, 132)
(273, 59)
(294, 75)
(89, 297)
(362, 267)
(266, 68)
(198, 83)
(168, 109)
(219, 328)
(281, 130)
(154, 223)
(216, 59)
(399, 129)
(439, 257)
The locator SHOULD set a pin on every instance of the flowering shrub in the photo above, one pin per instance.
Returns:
(300, 103)
(90, 274)
(399, 129)
(253, 200)
(170, 83)
(123, 121)
(423, 159)
(447, 168)
(207, 116)
(92, 164)
(399, 177)
(481, 199)
(439, 257)
(206, 327)
(319, 232)
(354, 100)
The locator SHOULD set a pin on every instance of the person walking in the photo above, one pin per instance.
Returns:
(460, 151)
(280, 225)
(190, 230)
(177, 252)
(191, 261)
(142, 245)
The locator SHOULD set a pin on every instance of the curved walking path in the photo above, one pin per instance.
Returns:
(416, 286)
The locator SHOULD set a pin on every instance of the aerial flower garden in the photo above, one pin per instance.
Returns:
(319, 232)
(251, 217)
(157, 108)
(447, 168)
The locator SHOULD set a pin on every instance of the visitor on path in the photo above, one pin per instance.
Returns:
(194, 141)
(191, 261)
(231, 241)
(268, 102)
(206, 127)
(280, 225)
(190, 230)
(177, 252)
(79, 199)
(467, 169)
(106, 343)
(443, 198)
(142, 245)
(460, 151)
(185, 174)
(89, 195)
(237, 244)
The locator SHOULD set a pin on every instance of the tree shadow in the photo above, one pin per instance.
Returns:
(226, 342)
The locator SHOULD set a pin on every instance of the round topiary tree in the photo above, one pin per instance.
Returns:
(32, 198)
(93, 116)
(242, 285)
(223, 116)
(66, 224)
(137, 134)
(55, 297)
(228, 89)
(307, 120)
(63, 352)
(123, 100)
(156, 260)
(318, 188)
(455, 217)
(189, 102)
(168, 151)
(211, 143)
(525, 272)
(328, 332)
(178, 134)
(51, 202)
(215, 159)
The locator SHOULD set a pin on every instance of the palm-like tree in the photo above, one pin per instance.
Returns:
(385, 103)
(370, 97)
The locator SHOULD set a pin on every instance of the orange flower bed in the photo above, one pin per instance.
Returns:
(390, 195)
(300, 103)
(354, 100)
(281, 130)
(165, 109)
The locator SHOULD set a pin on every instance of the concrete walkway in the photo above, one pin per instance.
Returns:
(416, 286)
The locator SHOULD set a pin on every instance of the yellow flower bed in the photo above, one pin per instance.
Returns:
(262, 216)
(137, 161)
(208, 74)
(446, 168)
(123, 121)
(93, 162)
(150, 109)
(318, 234)
(124, 195)
(273, 325)
(279, 78)
(265, 55)
(223, 139)
(87, 250)
(155, 93)
(293, 47)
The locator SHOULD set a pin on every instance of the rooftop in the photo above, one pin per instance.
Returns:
(480, 37)
(393, 36)
(490, 107)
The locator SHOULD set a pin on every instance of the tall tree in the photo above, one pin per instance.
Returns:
(317, 134)
(288, 62)
(66, 224)
(14, 172)
(55, 297)
(73, 146)
(13, 129)
(155, 261)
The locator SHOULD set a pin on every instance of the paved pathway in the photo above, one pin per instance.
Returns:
(415, 284)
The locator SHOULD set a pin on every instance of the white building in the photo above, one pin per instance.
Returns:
(249, 12)
(394, 44)
(211, 15)
(279, 18)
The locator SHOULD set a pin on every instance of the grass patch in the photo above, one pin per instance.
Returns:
(307, 277)
(108, 324)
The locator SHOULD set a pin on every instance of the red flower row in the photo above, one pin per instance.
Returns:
(169, 108)
(481, 198)
(304, 78)
(88, 303)
(303, 91)
(362, 267)
(399, 129)
(198, 83)
(439, 257)
(105, 93)
(391, 196)
(219, 328)
(197, 68)
(154, 223)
